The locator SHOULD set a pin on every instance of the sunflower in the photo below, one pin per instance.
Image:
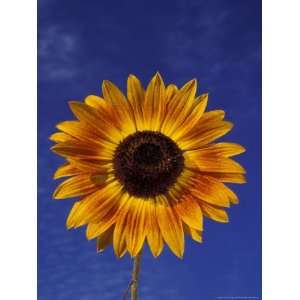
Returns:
(145, 168)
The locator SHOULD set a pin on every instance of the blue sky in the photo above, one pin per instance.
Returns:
(81, 43)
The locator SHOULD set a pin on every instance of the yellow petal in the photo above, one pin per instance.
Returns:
(211, 117)
(195, 234)
(60, 137)
(85, 209)
(155, 105)
(205, 135)
(120, 104)
(228, 177)
(96, 208)
(74, 209)
(119, 233)
(74, 187)
(92, 165)
(122, 248)
(179, 107)
(99, 178)
(154, 236)
(95, 102)
(84, 133)
(104, 109)
(136, 226)
(66, 170)
(113, 95)
(193, 118)
(215, 213)
(97, 121)
(170, 226)
(219, 150)
(171, 91)
(210, 190)
(136, 96)
(233, 198)
(207, 121)
(215, 164)
(85, 150)
(94, 230)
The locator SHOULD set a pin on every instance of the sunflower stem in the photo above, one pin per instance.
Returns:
(135, 276)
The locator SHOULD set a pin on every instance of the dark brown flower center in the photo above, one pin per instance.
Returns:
(147, 163)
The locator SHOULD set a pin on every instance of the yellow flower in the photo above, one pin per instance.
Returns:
(144, 166)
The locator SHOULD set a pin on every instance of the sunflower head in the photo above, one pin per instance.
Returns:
(147, 163)
(145, 167)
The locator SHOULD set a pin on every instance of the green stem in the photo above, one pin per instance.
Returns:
(135, 276)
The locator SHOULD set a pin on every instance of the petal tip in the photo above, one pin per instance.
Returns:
(157, 74)
(73, 103)
(132, 76)
(106, 83)
(157, 78)
(52, 137)
(55, 195)
(105, 86)
(193, 83)
(243, 149)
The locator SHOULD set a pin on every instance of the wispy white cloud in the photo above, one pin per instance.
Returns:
(57, 50)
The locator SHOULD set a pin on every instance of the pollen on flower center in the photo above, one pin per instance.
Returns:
(147, 163)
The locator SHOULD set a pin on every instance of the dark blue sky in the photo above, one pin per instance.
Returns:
(80, 44)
